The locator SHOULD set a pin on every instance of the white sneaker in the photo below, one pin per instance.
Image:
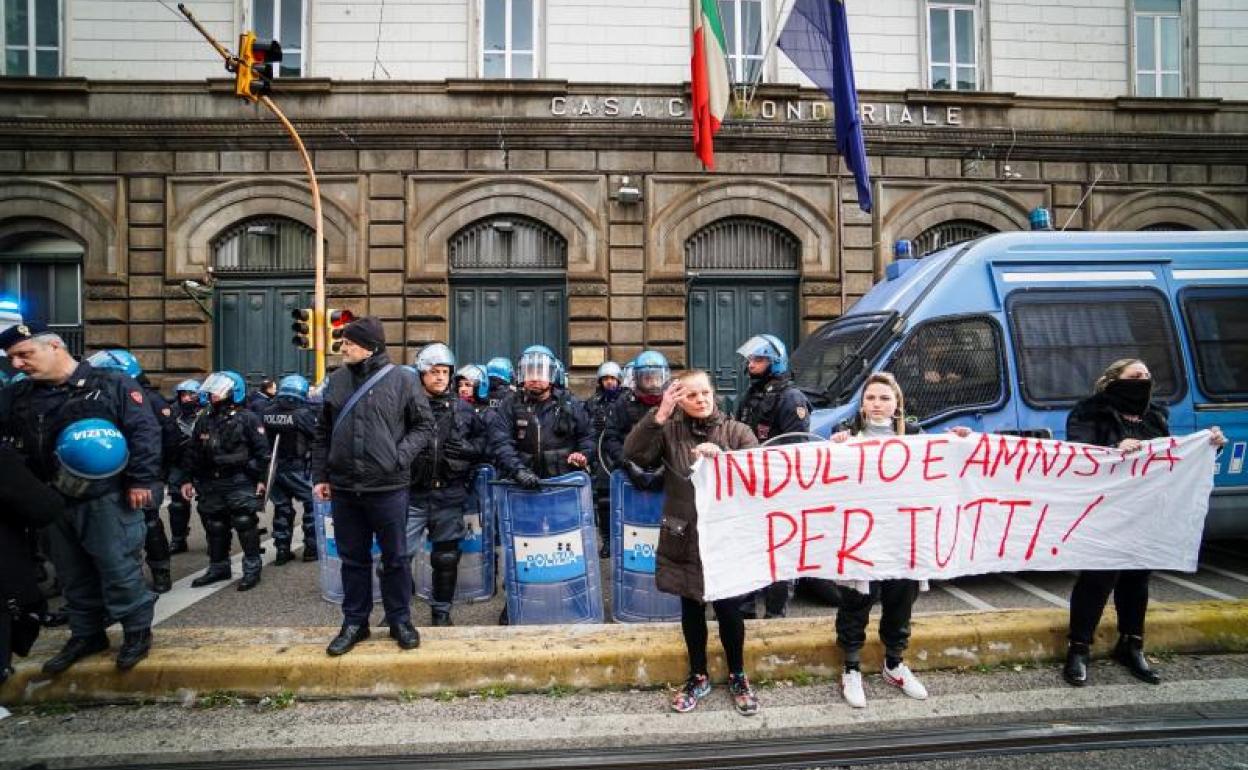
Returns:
(904, 679)
(851, 689)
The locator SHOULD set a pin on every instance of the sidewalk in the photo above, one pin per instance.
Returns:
(259, 661)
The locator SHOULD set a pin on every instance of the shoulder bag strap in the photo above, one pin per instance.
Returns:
(360, 393)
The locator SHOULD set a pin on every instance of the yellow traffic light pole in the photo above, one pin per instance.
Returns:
(232, 63)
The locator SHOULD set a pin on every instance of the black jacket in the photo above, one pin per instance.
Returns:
(625, 412)
(26, 504)
(444, 468)
(538, 436)
(773, 406)
(373, 450)
(1094, 421)
(226, 440)
(295, 422)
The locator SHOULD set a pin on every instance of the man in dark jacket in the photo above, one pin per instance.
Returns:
(262, 396)
(96, 544)
(597, 408)
(375, 421)
(291, 424)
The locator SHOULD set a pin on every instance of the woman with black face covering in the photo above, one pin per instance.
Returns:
(1119, 414)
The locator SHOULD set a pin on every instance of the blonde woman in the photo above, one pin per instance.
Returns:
(882, 414)
(684, 426)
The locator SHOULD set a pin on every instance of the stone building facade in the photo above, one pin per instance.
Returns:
(146, 178)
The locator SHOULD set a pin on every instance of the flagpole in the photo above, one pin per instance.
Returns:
(781, 15)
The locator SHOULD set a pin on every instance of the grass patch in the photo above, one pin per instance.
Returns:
(804, 679)
(55, 709)
(279, 702)
(219, 699)
(559, 691)
(445, 696)
(497, 692)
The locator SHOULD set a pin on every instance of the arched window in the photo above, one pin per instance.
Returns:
(508, 243)
(266, 245)
(947, 233)
(743, 243)
(43, 272)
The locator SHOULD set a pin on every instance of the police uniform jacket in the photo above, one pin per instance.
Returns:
(227, 440)
(295, 422)
(444, 468)
(773, 406)
(33, 414)
(170, 435)
(679, 562)
(625, 412)
(373, 449)
(539, 436)
(499, 391)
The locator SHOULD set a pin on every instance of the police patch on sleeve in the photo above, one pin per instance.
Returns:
(137, 397)
(801, 413)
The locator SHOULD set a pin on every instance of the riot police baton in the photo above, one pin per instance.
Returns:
(271, 474)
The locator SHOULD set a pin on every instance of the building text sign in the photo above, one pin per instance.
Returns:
(940, 506)
(873, 114)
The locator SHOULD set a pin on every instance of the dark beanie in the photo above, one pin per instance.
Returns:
(367, 332)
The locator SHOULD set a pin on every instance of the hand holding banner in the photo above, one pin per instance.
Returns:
(939, 506)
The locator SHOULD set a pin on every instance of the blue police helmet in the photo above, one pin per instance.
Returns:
(434, 354)
(92, 449)
(650, 372)
(119, 359)
(500, 368)
(610, 369)
(187, 386)
(293, 386)
(767, 346)
(477, 375)
(225, 385)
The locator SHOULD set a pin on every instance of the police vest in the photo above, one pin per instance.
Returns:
(218, 444)
(759, 408)
(284, 422)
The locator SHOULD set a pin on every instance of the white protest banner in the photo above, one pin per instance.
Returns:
(940, 506)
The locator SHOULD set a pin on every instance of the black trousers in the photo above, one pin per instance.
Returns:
(358, 517)
(896, 598)
(1091, 593)
(731, 632)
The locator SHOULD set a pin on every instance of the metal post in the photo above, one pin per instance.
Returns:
(319, 342)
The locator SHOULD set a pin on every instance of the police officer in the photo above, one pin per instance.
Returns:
(186, 407)
(597, 408)
(441, 476)
(95, 546)
(10, 315)
(472, 386)
(226, 462)
(649, 374)
(538, 432)
(290, 423)
(156, 543)
(500, 374)
(772, 406)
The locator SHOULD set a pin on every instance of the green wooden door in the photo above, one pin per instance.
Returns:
(491, 319)
(725, 312)
(251, 327)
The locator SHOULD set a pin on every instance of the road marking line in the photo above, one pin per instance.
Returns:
(969, 598)
(183, 596)
(1197, 587)
(1035, 590)
(1224, 573)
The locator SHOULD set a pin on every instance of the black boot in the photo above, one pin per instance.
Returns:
(347, 638)
(162, 581)
(177, 545)
(1130, 652)
(134, 647)
(77, 648)
(250, 580)
(249, 539)
(215, 574)
(442, 618)
(1075, 672)
(283, 554)
(309, 553)
(405, 634)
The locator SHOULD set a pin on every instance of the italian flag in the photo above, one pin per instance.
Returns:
(709, 68)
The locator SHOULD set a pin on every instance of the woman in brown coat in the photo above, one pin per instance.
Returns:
(684, 426)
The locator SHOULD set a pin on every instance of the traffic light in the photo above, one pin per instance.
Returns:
(302, 327)
(335, 322)
(257, 61)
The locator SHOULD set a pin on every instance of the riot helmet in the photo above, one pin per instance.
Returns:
(766, 346)
(650, 373)
(293, 386)
(477, 380)
(87, 451)
(434, 354)
(500, 369)
(118, 359)
(610, 369)
(538, 369)
(226, 386)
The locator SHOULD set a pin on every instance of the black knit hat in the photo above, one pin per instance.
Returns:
(367, 332)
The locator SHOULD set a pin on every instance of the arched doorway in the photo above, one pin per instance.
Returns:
(263, 269)
(41, 268)
(946, 233)
(742, 275)
(508, 288)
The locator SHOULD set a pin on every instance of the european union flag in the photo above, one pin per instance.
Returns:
(816, 38)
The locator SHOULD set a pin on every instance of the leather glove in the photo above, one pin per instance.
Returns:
(527, 479)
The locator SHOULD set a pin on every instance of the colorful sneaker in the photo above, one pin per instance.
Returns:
(904, 679)
(743, 696)
(851, 689)
(696, 687)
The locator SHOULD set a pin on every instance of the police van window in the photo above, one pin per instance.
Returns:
(950, 365)
(1217, 325)
(818, 362)
(1065, 339)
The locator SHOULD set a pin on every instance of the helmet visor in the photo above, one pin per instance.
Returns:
(759, 346)
(219, 385)
(433, 355)
(537, 367)
(650, 379)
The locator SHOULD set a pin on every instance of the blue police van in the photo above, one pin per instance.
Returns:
(1005, 333)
